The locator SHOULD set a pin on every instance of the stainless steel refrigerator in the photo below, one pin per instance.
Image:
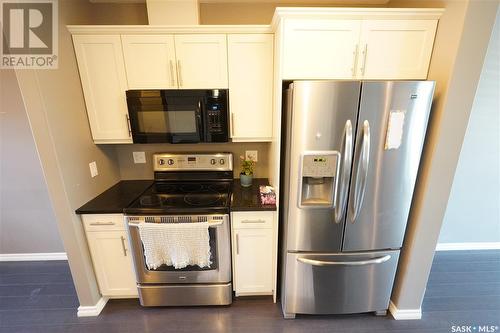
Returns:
(351, 160)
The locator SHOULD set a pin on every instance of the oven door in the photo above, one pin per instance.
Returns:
(166, 119)
(218, 272)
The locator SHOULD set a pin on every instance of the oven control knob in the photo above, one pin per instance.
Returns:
(161, 161)
(222, 161)
(213, 161)
(170, 161)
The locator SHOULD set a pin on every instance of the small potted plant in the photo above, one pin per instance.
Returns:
(246, 174)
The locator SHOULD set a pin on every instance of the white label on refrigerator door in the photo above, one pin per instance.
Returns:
(395, 125)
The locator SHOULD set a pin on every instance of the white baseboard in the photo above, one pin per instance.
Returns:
(468, 246)
(408, 314)
(33, 256)
(93, 310)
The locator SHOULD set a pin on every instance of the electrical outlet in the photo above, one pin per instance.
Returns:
(139, 157)
(251, 155)
(93, 169)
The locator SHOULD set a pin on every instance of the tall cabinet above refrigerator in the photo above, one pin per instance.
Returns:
(351, 160)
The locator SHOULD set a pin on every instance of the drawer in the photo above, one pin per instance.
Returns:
(102, 222)
(339, 283)
(252, 220)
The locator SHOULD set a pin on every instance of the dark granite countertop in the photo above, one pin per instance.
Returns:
(116, 198)
(123, 193)
(248, 198)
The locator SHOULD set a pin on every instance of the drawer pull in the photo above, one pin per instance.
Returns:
(313, 262)
(253, 221)
(102, 223)
(237, 244)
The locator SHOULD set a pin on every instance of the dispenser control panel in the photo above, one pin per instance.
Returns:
(321, 164)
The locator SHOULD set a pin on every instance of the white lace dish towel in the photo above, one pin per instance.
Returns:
(176, 244)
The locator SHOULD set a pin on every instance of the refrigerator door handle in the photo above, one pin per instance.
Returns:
(313, 262)
(361, 171)
(346, 155)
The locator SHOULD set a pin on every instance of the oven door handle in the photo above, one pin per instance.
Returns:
(211, 224)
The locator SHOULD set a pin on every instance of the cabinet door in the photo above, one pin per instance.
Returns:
(320, 49)
(102, 72)
(253, 261)
(396, 49)
(112, 263)
(250, 68)
(150, 61)
(201, 61)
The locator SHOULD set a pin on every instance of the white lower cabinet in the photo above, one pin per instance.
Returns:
(254, 254)
(111, 255)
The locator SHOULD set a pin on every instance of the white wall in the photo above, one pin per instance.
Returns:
(473, 211)
(27, 220)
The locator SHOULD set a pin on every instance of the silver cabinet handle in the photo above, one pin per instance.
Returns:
(179, 73)
(355, 60)
(365, 51)
(361, 171)
(237, 244)
(171, 66)
(102, 223)
(128, 125)
(123, 246)
(253, 221)
(314, 262)
(346, 155)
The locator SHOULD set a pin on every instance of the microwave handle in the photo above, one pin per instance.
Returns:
(199, 121)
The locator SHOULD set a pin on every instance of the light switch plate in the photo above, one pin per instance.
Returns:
(252, 155)
(93, 169)
(139, 157)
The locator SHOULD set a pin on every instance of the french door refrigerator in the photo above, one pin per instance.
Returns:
(351, 160)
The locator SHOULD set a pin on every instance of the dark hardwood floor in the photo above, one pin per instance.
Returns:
(463, 289)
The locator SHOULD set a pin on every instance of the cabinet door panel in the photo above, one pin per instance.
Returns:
(102, 72)
(320, 49)
(201, 61)
(112, 263)
(150, 61)
(253, 261)
(396, 49)
(250, 68)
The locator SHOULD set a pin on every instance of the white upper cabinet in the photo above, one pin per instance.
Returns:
(104, 82)
(396, 49)
(320, 49)
(150, 61)
(250, 68)
(201, 61)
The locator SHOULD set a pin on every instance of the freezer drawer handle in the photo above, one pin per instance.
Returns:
(346, 155)
(314, 262)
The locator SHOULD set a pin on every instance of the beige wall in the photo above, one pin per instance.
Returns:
(27, 221)
(129, 170)
(56, 110)
(460, 46)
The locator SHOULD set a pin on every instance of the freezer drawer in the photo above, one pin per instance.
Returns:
(339, 283)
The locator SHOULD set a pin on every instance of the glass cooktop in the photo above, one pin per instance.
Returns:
(188, 197)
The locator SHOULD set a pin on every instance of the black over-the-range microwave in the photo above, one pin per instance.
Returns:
(178, 116)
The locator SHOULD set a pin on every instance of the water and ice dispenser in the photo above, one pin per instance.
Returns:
(318, 179)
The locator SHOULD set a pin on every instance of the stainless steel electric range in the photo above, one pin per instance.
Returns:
(188, 188)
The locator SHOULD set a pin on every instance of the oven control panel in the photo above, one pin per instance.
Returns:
(193, 162)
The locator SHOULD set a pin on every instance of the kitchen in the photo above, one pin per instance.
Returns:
(268, 153)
